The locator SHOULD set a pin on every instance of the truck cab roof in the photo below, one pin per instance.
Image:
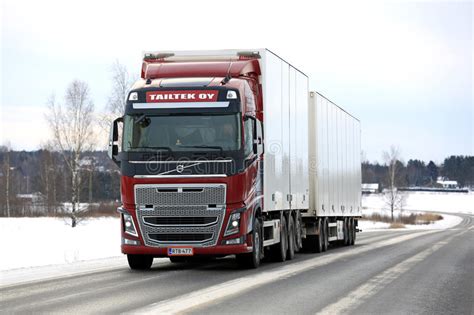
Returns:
(153, 69)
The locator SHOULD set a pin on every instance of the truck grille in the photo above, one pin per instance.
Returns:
(156, 221)
(180, 214)
(190, 237)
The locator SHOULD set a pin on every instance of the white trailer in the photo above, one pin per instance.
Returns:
(312, 160)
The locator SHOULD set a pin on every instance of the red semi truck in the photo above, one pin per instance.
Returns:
(228, 153)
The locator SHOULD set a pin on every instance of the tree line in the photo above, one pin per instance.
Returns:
(417, 173)
(40, 183)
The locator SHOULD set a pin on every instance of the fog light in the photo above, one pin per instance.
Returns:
(234, 241)
(126, 241)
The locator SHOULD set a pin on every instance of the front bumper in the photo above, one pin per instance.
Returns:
(210, 251)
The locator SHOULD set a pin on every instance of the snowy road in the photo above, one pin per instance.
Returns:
(386, 272)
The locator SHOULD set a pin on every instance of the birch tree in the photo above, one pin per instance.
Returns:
(71, 124)
(6, 168)
(393, 198)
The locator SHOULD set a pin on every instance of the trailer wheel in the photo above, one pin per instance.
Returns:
(350, 232)
(278, 251)
(346, 231)
(314, 243)
(139, 262)
(298, 232)
(325, 235)
(291, 239)
(252, 260)
(354, 230)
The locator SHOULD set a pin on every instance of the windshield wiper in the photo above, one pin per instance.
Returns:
(154, 148)
(215, 147)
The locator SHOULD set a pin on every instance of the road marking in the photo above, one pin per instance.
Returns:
(211, 294)
(380, 281)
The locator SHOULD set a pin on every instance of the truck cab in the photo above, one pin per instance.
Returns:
(191, 131)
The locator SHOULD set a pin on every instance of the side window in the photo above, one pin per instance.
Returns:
(248, 136)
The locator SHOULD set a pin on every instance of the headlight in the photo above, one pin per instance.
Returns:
(233, 226)
(128, 225)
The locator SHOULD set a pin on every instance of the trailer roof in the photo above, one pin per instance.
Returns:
(345, 111)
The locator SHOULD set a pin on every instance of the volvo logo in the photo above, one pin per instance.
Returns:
(180, 168)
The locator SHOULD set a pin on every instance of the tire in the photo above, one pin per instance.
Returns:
(346, 231)
(291, 238)
(178, 259)
(353, 231)
(325, 235)
(139, 262)
(278, 251)
(349, 225)
(298, 233)
(252, 260)
(314, 243)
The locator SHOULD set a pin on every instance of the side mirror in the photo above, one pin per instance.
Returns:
(113, 149)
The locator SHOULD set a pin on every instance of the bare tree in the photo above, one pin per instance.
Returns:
(71, 124)
(7, 168)
(393, 198)
(121, 84)
(47, 176)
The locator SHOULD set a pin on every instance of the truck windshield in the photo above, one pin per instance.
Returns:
(181, 132)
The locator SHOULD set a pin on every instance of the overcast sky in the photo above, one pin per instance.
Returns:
(404, 69)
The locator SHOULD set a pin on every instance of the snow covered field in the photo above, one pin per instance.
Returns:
(27, 242)
(426, 201)
(419, 202)
(32, 242)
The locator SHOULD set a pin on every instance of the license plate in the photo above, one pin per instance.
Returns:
(180, 251)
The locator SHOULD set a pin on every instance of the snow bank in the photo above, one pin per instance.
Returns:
(419, 202)
(365, 225)
(447, 222)
(28, 242)
(425, 201)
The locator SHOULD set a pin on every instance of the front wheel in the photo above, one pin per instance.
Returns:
(252, 260)
(139, 262)
(279, 250)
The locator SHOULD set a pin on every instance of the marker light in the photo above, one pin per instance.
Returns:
(231, 95)
(133, 96)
